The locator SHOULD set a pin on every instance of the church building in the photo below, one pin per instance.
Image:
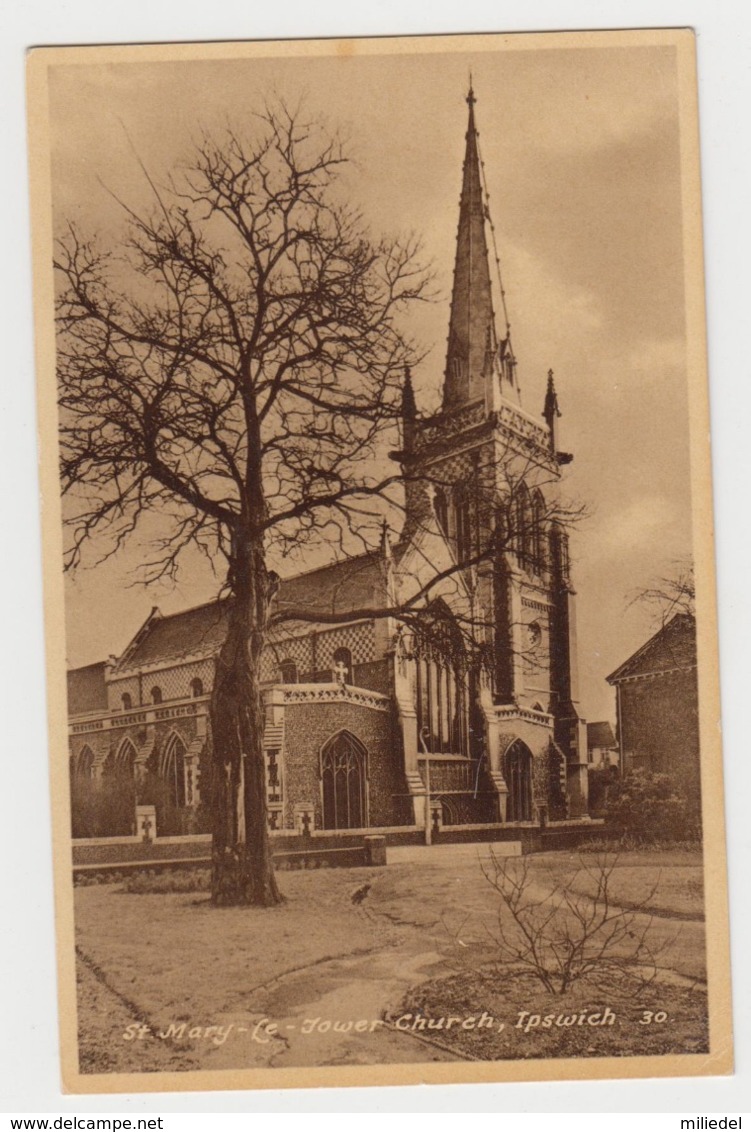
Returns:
(470, 700)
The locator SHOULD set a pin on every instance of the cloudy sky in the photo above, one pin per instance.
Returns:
(581, 149)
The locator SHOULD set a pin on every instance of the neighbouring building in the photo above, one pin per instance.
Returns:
(358, 714)
(658, 707)
(602, 748)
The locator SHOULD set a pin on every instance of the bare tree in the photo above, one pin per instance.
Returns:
(224, 371)
(671, 594)
(231, 378)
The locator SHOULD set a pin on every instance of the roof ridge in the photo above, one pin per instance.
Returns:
(630, 661)
(330, 565)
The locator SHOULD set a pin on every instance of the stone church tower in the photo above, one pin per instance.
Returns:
(493, 470)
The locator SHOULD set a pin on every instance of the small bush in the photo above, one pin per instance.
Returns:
(649, 809)
(602, 780)
(183, 880)
(103, 807)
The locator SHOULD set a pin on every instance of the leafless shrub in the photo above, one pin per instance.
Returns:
(570, 929)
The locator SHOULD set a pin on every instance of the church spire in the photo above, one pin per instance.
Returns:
(474, 361)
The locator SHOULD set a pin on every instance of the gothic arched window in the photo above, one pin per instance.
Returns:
(124, 762)
(127, 700)
(517, 770)
(196, 688)
(441, 691)
(172, 769)
(82, 764)
(156, 695)
(344, 770)
(288, 672)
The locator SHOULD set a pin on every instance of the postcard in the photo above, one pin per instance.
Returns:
(381, 639)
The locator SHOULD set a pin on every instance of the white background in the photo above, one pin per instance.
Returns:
(28, 1020)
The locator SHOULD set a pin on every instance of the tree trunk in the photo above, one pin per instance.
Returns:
(242, 867)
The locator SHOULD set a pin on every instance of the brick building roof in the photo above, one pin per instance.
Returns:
(600, 736)
(673, 646)
(87, 690)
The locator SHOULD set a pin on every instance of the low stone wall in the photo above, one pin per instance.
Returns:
(125, 851)
(368, 852)
(356, 849)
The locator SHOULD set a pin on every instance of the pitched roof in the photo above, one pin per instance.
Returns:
(673, 646)
(342, 587)
(87, 690)
(600, 735)
(335, 589)
(194, 632)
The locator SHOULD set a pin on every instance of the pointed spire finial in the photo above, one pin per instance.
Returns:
(471, 100)
(385, 539)
(409, 412)
(551, 409)
(409, 405)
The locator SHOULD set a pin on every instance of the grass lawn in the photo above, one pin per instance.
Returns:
(418, 932)
(180, 958)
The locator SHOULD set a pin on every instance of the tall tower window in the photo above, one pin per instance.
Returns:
(442, 688)
(464, 525)
(539, 539)
(523, 526)
(441, 509)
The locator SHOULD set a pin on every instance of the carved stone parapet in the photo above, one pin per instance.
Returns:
(336, 693)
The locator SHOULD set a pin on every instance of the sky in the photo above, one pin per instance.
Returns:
(581, 149)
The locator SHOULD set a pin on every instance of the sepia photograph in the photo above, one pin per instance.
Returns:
(379, 574)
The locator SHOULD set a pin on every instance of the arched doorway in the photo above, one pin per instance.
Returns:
(518, 775)
(344, 763)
